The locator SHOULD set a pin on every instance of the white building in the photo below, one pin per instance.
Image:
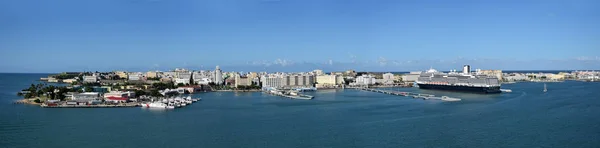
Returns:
(90, 79)
(183, 81)
(365, 80)
(135, 76)
(388, 78)
(88, 96)
(410, 77)
(218, 76)
(274, 81)
(318, 72)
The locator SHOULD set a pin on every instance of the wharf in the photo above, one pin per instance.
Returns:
(90, 106)
(301, 97)
(406, 94)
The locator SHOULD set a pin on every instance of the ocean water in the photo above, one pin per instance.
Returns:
(568, 115)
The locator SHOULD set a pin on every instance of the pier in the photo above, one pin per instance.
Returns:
(296, 96)
(90, 106)
(407, 94)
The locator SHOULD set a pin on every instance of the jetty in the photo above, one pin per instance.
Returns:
(407, 94)
(90, 106)
(289, 94)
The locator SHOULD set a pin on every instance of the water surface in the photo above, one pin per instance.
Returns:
(566, 116)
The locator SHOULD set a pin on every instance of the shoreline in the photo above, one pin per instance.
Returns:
(237, 91)
(27, 101)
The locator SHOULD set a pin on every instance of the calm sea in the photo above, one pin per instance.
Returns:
(568, 115)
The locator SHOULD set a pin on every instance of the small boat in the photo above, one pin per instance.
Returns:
(446, 98)
(545, 88)
(505, 90)
(154, 105)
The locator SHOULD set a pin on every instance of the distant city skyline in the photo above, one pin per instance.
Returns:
(39, 36)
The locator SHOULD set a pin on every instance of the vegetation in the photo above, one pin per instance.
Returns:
(180, 84)
(65, 76)
(251, 87)
(44, 90)
(37, 101)
(141, 93)
(162, 86)
(155, 93)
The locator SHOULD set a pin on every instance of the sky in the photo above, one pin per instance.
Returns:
(298, 35)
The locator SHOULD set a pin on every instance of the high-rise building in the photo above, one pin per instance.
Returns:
(218, 76)
(466, 69)
(318, 72)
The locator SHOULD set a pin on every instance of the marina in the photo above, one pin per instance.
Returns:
(408, 94)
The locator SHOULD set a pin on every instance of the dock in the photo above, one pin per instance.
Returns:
(90, 106)
(407, 94)
(299, 96)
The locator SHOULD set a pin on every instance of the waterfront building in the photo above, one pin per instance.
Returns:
(218, 76)
(328, 81)
(242, 80)
(87, 96)
(365, 80)
(230, 81)
(272, 81)
(90, 79)
(494, 73)
(298, 81)
(388, 78)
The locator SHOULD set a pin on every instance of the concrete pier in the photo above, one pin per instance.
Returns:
(90, 106)
(406, 94)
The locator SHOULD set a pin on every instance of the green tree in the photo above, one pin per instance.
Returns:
(140, 93)
(180, 84)
(37, 101)
(155, 93)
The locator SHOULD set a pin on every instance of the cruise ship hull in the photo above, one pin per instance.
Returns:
(485, 90)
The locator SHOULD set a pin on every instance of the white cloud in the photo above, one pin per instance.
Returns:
(283, 62)
(382, 61)
(586, 58)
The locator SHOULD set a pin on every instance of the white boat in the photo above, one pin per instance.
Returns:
(170, 107)
(505, 90)
(545, 89)
(446, 98)
(154, 105)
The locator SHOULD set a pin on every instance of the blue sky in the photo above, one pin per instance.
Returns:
(298, 35)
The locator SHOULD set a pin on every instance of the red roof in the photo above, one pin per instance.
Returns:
(117, 98)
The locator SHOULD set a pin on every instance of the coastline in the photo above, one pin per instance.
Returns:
(237, 91)
(27, 101)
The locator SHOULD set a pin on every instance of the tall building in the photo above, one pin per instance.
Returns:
(365, 80)
(466, 69)
(218, 76)
(275, 81)
(388, 78)
(242, 80)
(318, 72)
(327, 81)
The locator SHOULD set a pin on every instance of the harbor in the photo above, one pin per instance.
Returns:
(407, 94)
